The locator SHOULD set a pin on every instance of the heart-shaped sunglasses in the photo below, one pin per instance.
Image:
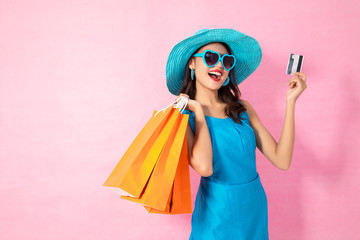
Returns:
(211, 58)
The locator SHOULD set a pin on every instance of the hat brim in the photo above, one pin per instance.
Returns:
(246, 50)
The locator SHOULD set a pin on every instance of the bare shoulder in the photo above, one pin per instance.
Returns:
(253, 117)
(246, 104)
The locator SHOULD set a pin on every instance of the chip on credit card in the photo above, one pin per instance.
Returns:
(294, 64)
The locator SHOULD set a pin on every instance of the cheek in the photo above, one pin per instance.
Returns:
(203, 72)
(200, 65)
(225, 75)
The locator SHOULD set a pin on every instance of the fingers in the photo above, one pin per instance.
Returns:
(300, 75)
(293, 80)
(297, 82)
(182, 94)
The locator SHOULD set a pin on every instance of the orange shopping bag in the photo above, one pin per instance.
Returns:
(130, 176)
(134, 168)
(157, 194)
(179, 201)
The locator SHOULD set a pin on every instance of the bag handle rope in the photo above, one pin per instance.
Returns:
(183, 101)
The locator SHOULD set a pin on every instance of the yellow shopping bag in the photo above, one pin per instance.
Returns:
(148, 173)
(134, 168)
(157, 192)
(179, 201)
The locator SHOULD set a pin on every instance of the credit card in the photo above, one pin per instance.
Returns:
(294, 64)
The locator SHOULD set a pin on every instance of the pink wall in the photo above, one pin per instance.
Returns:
(79, 79)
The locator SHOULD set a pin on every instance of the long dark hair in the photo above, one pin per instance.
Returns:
(233, 108)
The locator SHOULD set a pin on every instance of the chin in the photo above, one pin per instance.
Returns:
(214, 87)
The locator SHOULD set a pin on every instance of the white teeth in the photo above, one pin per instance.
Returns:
(216, 73)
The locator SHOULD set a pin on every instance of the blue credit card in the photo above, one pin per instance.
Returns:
(294, 64)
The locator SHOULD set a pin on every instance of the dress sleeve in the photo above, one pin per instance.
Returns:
(191, 119)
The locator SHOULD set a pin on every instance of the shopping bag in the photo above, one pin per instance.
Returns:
(148, 173)
(181, 198)
(179, 201)
(134, 168)
(157, 192)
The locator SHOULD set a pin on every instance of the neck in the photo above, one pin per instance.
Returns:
(207, 97)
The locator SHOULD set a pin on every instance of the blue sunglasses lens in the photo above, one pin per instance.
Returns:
(228, 62)
(212, 58)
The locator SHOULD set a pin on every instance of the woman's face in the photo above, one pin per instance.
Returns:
(202, 71)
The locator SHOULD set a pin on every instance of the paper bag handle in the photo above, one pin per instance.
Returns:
(183, 101)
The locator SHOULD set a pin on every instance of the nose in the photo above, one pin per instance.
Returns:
(219, 64)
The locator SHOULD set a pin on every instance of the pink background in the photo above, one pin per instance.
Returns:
(79, 79)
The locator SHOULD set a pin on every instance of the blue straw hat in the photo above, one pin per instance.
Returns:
(246, 50)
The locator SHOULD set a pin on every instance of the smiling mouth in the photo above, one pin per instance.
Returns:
(214, 77)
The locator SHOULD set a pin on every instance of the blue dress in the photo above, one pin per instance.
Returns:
(230, 204)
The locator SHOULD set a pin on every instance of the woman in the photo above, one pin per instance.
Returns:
(224, 131)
